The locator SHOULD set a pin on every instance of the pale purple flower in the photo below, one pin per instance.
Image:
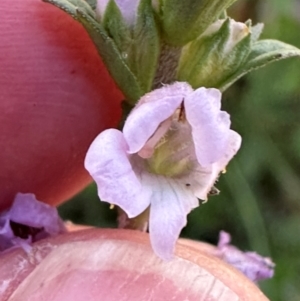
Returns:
(251, 264)
(28, 220)
(174, 145)
(128, 9)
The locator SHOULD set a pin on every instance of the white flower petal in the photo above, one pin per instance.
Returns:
(201, 179)
(210, 126)
(233, 144)
(108, 163)
(170, 204)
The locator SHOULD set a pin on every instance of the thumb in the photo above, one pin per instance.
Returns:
(112, 265)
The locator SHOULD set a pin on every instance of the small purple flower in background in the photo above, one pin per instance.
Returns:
(251, 264)
(174, 145)
(27, 221)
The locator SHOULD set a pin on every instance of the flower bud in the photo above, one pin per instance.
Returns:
(216, 54)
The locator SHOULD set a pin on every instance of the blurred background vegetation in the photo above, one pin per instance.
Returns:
(259, 202)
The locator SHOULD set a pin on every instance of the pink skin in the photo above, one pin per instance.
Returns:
(53, 103)
(120, 266)
(56, 96)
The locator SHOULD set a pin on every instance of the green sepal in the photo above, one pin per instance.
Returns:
(115, 63)
(262, 53)
(215, 55)
(92, 3)
(116, 27)
(183, 21)
(256, 31)
(223, 15)
(70, 6)
(146, 49)
(113, 59)
(138, 43)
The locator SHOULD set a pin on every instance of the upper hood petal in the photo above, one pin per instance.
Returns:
(153, 109)
(210, 125)
(201, 179)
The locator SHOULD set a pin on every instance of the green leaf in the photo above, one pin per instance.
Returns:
(262, 53)
(70, 6)
(267, 51)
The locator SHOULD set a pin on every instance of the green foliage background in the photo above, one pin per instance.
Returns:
(259, 202)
